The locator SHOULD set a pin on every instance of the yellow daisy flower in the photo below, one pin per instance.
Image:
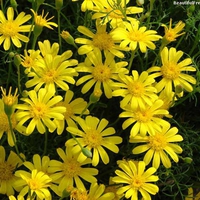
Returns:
(172, 33)
(136, 180)
(53, 71)
(10, 29)
(94, 136)
(101, 40)
(42, 21)
(101, 74)
(115, 12)
(158, 145)
(7, 168)
(39, 109)
(69, 172)
(73, 108)
(145, 120)
(171, 71)
(133, 36)
(136, 89)
(34, 183)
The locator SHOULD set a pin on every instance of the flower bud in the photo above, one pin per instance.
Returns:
(11, 54)
(65, 194)
(13, 3)
(187, 160)
(119, 2)
(39, 3)
(68, 38)
(140, 2)
(17, 60)
(87, 152)
(95, 96)
(178, 89)
(59, 4)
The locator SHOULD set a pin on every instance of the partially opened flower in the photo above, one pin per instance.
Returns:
(11, 29)
(136, 180)
(115, 12)
(172, 72)
(133, 36)
(42, 21)
(100, 73)
(159, 145)
(136, 89)
(39, 110)
(172, 33)
(69, 172)
(94, 136)
(7, 168)
(145, 120)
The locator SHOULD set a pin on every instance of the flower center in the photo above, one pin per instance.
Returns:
(34, 184)
(28, 62)
(136, 36)
(40, 21)
(170, 70)
(103, 41)
(78, 195)
(9, 29)
(170, 35)
(38, 111)
(71, 168)
(136, 88)
(143, 116)
(101, 73)
(157, 142)
(50, 76)
(93, 138)
(137, 181)
(4, 125)
(6, 171)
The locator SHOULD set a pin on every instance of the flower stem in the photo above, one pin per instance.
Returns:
(59, 37)
(45, 143)
(13, 137)
(131, 59)
(9, 75)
